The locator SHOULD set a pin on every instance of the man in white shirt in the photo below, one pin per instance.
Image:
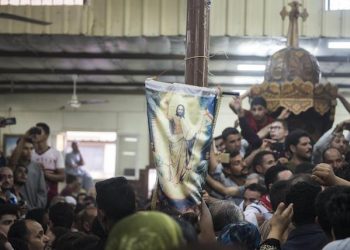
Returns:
(49, 158)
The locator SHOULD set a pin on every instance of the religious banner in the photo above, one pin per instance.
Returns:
(180, 120)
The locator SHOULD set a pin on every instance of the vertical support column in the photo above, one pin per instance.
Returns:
(197, 42)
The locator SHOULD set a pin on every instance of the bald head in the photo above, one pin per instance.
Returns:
(333, 157)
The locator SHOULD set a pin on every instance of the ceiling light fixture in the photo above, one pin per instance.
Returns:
(251, 67)
(339, 45)
(130, 139)
(247, 79)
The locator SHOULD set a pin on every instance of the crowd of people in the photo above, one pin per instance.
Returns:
(267, 187)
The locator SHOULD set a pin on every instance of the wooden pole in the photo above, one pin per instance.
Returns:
(197, 42)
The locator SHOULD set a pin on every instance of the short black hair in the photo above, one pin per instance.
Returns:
(188, 230)
(257, 188)
(8, 209)
(77, 241)
(302, 178)
(338, 210)
(61, 215)
(294, 137)
(303, 196)
(233, 154)
(258, 158)
(44, 126)
(283, 122)
(229, 131)
(116, 197)
(18, 230)
(271, 175)
(218, 137)
(278, 193)
(37, 214)
(258, 100)
(58, 232)
(321, 205)
(26, 140)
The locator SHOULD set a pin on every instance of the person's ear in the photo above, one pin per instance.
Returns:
(259, 169)
(292, 148)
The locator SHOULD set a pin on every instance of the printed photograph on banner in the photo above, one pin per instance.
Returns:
(180, 123)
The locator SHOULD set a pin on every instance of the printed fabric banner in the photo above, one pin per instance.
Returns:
(180, 120)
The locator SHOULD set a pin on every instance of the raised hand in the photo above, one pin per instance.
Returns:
(280, 220)
(323, 174)
(284, 114)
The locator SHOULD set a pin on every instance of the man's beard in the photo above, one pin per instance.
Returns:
(305, 158)
(20, 183)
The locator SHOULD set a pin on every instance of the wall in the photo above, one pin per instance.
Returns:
(123, 114)
(168, 18)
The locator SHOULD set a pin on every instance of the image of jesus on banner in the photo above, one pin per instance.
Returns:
(180, 122)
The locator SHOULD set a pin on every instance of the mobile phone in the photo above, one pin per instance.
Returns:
(7, 121)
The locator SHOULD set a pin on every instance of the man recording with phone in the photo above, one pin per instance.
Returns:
(49, 158)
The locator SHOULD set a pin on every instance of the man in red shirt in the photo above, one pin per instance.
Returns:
(258, 117)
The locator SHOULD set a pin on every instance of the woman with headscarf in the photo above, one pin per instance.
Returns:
(145, 231)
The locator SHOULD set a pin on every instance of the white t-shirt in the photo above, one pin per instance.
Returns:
(252, 209)
(51, 159)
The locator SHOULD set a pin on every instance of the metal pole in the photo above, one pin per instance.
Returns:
(197, 42)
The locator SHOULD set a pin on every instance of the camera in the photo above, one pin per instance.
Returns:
(35, 131)
(7, 121)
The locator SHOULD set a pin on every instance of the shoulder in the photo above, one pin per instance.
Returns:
(55, 152)
(338, 244)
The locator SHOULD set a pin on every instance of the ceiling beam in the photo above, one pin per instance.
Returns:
(89, 85)
(147, 73)
(147, 56)
(66, 85)
(70, 84)
(69, 91)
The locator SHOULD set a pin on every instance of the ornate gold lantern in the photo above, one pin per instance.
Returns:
(292, 81)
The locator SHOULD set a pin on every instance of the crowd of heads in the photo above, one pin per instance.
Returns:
(269, 166)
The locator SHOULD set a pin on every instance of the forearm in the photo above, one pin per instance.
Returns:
(323, 142)
(249, 134)
(341, 182)
(263, 133)
(213, 162)
(55, 177)
(249, 159)
(217, 186)
(345, 102)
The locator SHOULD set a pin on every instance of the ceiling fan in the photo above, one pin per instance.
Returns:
(75, 103)
(23, 19)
